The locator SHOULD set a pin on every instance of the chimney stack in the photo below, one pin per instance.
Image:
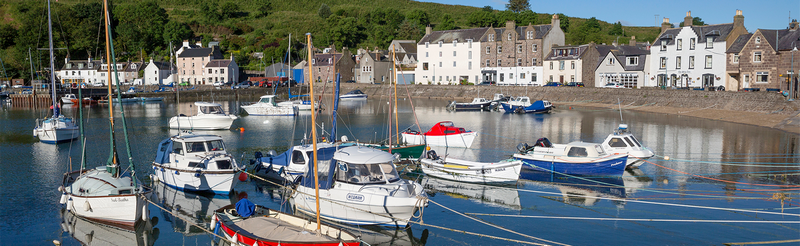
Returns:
(633, 41)
(738, 19)
(428, 30)
(793, 26)
(687, 21)
(511, 24)
(555, 23)
(665, 25)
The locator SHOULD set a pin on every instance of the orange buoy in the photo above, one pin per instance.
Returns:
(241, 129)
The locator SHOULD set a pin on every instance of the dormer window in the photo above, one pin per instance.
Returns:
(758, 40)
(90, 65)
(426, 44)
(663, 45)
(709, 42)
(69, 65)
(469, 42)
(454, 43)
(440, 44)
(491, 37)
(530, 35)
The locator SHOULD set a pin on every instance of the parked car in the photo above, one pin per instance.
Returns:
(245, 85)
(554, 84)
(350, 81)
(575, 84)
(218, 84)
(614, 85)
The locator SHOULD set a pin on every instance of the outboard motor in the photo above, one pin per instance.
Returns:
(543, 142)
(432, 155)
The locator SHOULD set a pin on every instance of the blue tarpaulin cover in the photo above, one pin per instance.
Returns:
(245, 208)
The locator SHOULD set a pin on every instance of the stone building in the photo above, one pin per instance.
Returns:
(574, 63)
(763, 59)
(518, 50)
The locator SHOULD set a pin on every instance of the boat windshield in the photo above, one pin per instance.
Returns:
(266, 100)
(212, 110)
(215, 145)
(196, 147)
(447, 124)
(599, 150)
(378, 173)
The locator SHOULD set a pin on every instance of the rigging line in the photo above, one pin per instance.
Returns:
(629, 219)
(61, 27)
(715, 179)
(493, 225)
(765, 242)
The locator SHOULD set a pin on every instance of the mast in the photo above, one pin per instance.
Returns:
(52, 63)
(31, 60)
(335, 115)
(112, 165)
(313, 130)
(394, 79)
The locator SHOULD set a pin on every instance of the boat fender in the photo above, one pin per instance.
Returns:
(213, 223)
(235, 239)
(69, 204)
(198, 173)
(87, 207)
(177, 173)
(63, 199)
(145, 212)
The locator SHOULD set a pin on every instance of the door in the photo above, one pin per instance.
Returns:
(561, 78)
(708, 80)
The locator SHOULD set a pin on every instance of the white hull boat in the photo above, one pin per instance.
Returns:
(210, 116)
(299, 104)
(55, 130)
(67, 99)
(353, 95)
(505, 171)
(97, 195)
(444, 133)
(266, 106)
(622, 141)
(368, 190)
(195, 163)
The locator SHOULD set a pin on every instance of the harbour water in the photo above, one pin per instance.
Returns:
(710, 183)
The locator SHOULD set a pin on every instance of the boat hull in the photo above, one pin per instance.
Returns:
(462, 140)
(119, 210)
(203, 122)
(345, 207)
(612, 166)
(406, 151)
(218, 182)
(472, 172)
(471, 106)
(520, 109)
(352, 97)
(257, 110)
(51, 133)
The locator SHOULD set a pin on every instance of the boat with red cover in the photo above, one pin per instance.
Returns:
(444, 133)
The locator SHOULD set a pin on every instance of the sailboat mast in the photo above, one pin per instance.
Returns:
(112, 162)
(394, 79)
(52, 63)
(313, 129)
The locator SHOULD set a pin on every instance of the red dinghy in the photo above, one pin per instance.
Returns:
(444, 133)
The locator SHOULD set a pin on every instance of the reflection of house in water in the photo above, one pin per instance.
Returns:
(89, 233)
(192, 207)
(496, 196)
(578, 190)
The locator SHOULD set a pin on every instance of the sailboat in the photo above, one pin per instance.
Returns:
(302, 105)
(106, 194)
(56, 128)
(250, 224)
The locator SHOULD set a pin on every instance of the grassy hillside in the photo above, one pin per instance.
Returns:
(144, 28)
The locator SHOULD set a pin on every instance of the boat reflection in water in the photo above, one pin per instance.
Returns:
(576, 190)
(381, 235)
(196, 208)
(91, 233)
(496, 196)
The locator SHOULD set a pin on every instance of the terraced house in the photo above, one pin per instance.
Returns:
(763, 60)
(514, 55)
(693, 56)
(449, 57)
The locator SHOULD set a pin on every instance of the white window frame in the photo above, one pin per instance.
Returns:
(535, 48)
(519, 48)
(633, 61)
(679, 44)
(691, 62)
(710, 42)
(663, 63)
(735, 58)
(709, 61)
(764, 75)
(692, 43)
(678, 61)
(509, 36)
(758, 40)
(488, 50)
(757, 56)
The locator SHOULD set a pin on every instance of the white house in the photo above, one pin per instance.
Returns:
(449, 57)
(77, 72)
(157, 73)
(692, 56)
(626, 64)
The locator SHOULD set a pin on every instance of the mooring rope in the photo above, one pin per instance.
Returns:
(187, 221)
(624, 219)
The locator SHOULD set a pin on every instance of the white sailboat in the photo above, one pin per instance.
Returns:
(56, 128)
(210, 116)
(195, 163)
(107, 194)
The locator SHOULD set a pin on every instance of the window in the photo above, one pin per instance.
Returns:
(440, 78)
(735, 58)
(691, 62)
(708, 61)
(488, 50)
(298, 157)
(758, 40)
(577, 152)
(617, 143)
(762, 77)
(680, 44)
(499, 62)
(519, 62)
(691, 43)
(519, 48)
(222, 71)
(487, 62)
(454, 53)
(426, 44)
(469, 55)
(572, 78)
(747, 78)
(425, 66)
(499, 49)
(491, 37)
(510, 75)
(440, 44)
(610, 61)
(678, 62)
(454, 43)
(551, 66)
(509, 36)
(469, 42)
(469, 65)
(709, 42)
(633, 61)
(426, 54)
(196, 147)
(533, 62)
(454, 63)
(440, 64)
(560, 65)
(534, 48)
(663, 63)
(663, 45)
(209, 71)
(573, 65)
(757, 56)
(440, 54)
(551, 78)
(533, 77)
(529, 35)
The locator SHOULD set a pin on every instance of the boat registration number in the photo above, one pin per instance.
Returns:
(355, 197)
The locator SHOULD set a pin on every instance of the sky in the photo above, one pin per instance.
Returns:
(769, 14)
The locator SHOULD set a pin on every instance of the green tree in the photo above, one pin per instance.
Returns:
(141, 26)
(229, 10)
(447, 23)
(564, 22)
(176, 32)
(263, 9)
(587, 32)
(481, 19)
(696, 21)
(616, 29)
(517, 6)
(209, 11)
(419, 16)
(344, 31)
(527, 17)
(324, 11)
(409, 30)
(487, 8)
(7, 35)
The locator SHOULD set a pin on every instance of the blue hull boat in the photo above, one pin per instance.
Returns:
(576, 158)
(521, 106)
(604, 167)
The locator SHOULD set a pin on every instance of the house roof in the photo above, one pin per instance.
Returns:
(541, 30)
(448, 36)
(622, 52)
(719, 31)
(784, 38)
(202, 52)
(569, 54)
(129, 67)
(160, 65)
(409, 47)
(324, 59)
(74, 65)
(739, 43)
(219, 63)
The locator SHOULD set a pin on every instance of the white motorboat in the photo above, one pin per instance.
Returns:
(67, 99)
(353, 95)
(195, 163)
(302, 105)
(210, 116)
(287, 166)
(575, 158)
(266, 106)
(622, 141)
(525, 105)
(478, 103)
(504, 171)
(368, 189)
(56, 129)
(444, 133)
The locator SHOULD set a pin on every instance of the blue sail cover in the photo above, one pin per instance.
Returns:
(245, 208)
(280, 160)
(164, 149)
(326, 176)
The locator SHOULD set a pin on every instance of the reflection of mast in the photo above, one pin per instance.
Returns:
(313, 132)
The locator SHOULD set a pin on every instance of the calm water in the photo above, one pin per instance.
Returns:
(712, 165)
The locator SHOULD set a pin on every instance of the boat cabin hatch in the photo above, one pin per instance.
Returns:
(209, 108)
(267, 100)
(581, 149)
